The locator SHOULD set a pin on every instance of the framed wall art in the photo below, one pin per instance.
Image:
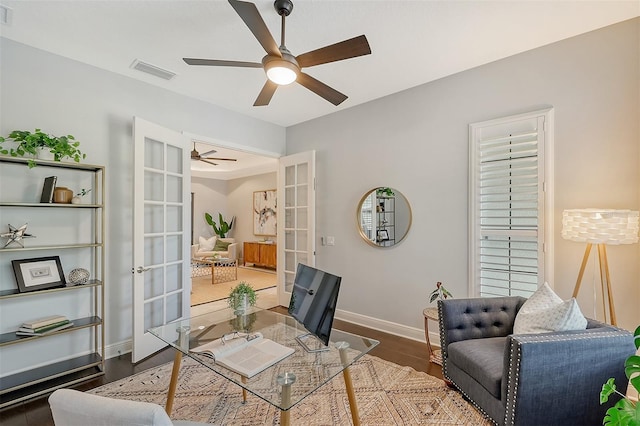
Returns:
(38, 274)
(264, 212)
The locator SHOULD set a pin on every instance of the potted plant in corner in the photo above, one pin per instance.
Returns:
(224, 227)
(625, 411)
(31, 143)
(241, 297)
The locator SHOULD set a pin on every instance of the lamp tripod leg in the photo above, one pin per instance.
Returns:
(606, 280)
(587, 251)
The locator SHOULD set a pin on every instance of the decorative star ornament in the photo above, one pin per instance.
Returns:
(16, 235)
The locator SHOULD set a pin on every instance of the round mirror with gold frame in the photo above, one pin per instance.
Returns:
(383, 217)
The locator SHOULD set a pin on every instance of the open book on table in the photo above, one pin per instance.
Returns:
(246, 354)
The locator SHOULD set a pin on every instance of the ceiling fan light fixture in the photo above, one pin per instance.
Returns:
(281, 71)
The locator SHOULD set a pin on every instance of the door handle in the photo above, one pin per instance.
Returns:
(139, 270)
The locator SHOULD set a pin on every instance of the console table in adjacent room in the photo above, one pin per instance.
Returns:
(260, 254)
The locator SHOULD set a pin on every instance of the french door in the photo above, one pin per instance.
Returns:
(296, 218)
(161, 232)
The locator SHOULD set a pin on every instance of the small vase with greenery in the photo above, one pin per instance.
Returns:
(222, 229)
(241, 297)
(625, 411)
(439, 293)
(30, 143)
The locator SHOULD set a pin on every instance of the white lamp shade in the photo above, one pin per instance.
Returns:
(600, 226)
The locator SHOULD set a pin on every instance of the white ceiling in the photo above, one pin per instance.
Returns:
(412, 42)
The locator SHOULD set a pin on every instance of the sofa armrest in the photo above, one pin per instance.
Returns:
(194, 250)
(564, 372)
(233, 251)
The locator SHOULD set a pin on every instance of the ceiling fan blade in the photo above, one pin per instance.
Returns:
(266, 93)
(209, 162)
(218, 63)
(213, 151)
(321, 89)
(357, 46)
(248, 12)
(220, 159)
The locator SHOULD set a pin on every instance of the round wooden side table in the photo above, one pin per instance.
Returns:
(435, 355)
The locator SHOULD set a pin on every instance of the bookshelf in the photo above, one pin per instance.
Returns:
(36, 365)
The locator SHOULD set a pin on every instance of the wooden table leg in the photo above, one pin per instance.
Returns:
(244, 391)
(353, 405)
(177, 360)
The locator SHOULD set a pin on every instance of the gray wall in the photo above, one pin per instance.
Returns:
(417, 141)
(209, 196)
(62, 96)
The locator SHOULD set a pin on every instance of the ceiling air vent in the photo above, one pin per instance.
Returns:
(5, 15)
(152, 69)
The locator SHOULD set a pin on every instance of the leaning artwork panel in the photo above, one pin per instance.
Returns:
(264, 212)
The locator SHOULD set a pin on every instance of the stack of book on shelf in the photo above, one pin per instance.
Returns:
(43, 326)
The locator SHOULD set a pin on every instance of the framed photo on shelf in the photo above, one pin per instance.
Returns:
(264, 212)
(383, 235)
(38, 274)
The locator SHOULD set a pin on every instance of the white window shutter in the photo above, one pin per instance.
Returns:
(507, 205)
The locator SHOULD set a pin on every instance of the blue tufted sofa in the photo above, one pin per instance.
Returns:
(529, 379)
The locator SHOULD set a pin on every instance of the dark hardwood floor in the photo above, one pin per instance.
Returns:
(392, 348)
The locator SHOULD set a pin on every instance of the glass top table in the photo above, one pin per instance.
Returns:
(287, 382)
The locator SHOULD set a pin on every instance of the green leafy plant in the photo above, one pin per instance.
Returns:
(387, 192)
(83, 192)
(625, 411)
(223, 228)
(29, 143)
(440, 293)
(240, 289)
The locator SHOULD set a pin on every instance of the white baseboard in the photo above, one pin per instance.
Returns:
(401, 330)
(117, 349)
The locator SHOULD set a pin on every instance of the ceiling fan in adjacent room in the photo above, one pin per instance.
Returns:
(279, 64)
(195, 155)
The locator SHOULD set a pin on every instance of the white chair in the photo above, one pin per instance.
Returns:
(74, 408)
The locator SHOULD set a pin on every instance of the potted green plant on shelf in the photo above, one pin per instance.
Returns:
(241, 297)
(29, 144)
(625, 411)
(224, 227)
(384, 192)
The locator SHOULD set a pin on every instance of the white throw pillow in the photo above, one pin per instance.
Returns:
(545, 311)
(206, 244)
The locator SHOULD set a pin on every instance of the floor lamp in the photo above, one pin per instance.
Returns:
(600, 227)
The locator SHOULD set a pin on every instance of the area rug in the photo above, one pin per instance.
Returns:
(386, 393)
(202, 291)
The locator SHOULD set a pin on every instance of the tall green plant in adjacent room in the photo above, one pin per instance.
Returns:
(222, 227)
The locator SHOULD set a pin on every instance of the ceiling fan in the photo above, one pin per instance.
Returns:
(195, 155)
(279, 64)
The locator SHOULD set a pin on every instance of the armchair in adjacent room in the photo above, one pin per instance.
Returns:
(214, 246)
(551, 378)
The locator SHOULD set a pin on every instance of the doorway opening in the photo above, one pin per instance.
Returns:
(223, 182)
